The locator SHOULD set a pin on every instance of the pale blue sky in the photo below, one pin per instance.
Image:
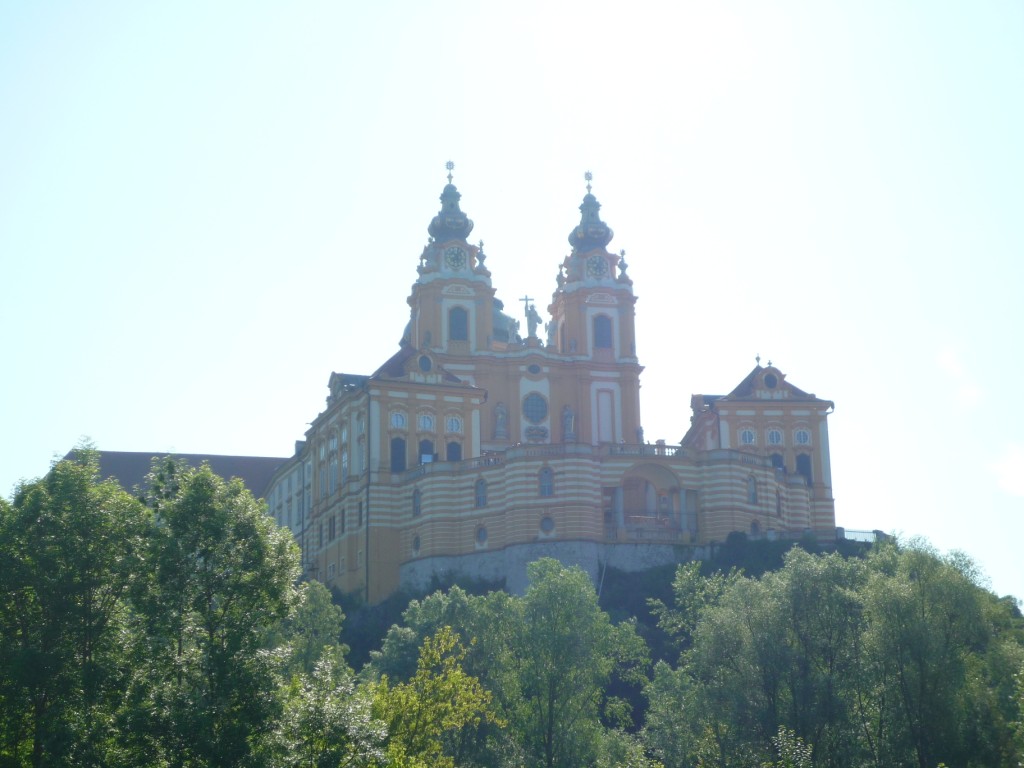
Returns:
(205, 208)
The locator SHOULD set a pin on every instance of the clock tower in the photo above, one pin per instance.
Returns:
(452, 300)
(593, 328)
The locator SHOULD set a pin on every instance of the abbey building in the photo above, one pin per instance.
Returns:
(480, 445)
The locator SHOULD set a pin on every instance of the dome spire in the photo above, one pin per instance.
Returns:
(592, 232)
(450, 223)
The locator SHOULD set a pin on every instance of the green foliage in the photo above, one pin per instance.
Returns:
(173, 633)
(790, 750)
(327, 721)
(441, 698)
(70, 549)
(897, 660)
(220, 576)
(314, 627)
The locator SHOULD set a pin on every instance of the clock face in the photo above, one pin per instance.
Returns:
(597, 266)
(455, 257)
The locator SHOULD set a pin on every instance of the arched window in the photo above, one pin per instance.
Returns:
(546, 482)
(426, 451)
(458, 324)
(344, 464)
(480, 494)
(752, 490)
(602, 332)
(453, 452)
(417, 502)
(803, 467)
(398, 454)
(332, 473)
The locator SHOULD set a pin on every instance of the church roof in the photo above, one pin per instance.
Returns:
(130, 468)
(450, 223)
(591, 232)
(759, 378)
(397, 366)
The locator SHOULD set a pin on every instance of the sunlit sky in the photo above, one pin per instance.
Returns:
(205, 208)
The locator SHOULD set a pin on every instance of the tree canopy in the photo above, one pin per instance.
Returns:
(172, 630)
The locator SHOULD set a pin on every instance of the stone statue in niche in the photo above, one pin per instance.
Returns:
(500, 422)
(568, 425)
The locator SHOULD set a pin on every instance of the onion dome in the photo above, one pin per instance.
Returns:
(450, 223)
(592, 232)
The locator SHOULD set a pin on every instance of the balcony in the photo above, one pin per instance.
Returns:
(642, 526)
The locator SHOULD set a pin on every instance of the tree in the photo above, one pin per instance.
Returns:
(902, 660)
(314, 627)
(439, 699)
(221, 575)
(70, 548)
(328, 721)
(564, 653)
(928, 634)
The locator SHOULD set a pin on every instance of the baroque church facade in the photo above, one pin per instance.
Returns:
(477, 448)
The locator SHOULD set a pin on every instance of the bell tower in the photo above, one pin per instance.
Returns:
(592, 313)
(452, 299)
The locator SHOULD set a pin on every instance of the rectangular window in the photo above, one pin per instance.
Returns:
(458, 324)
(605, 416)
(330, 529)
(602, 332)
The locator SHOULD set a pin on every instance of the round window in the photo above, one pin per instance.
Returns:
(534, 369)
(771, 380)
(747, 437)
(547, 524)
(425, 363)
(535, 408)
